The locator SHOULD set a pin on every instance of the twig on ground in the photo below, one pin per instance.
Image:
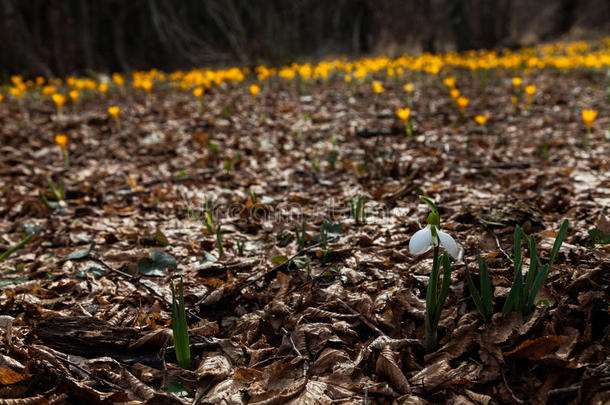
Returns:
(512, 394)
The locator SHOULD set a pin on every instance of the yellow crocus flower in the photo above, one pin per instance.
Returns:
(254, 89)
(62, 140)
(377, 86)
(403, 113)
(481, 119)
(463, 102)
(588, 116)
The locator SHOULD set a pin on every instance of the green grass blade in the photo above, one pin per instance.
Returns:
(509, 304)
(180, 329)
(542, 275)
(476, 297)
(486, 289)
(518, 281)
(533, 270)
(444, 288)
(432, 304)
(53, 191)
(558, 241)
(364, 210)
(513, 299)
(16, 247)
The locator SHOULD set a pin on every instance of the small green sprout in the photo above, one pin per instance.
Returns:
(58, 193)
(214, 148)
(229, 164)
(180, 331)
(483, 300)
(435, 300)
(240, 247)
(18, 246)
(324, 235)
(358, 210)
(301, 236)
(332, 159)
(522, 295)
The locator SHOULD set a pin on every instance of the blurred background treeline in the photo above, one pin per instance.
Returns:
(59, 37)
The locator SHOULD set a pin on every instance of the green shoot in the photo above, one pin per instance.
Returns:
(229, 164)
(358, 210)
(522, 295)
(483, 300)
(16, 247)
(240, 247)
(435, 300)
(182, 346)
(208, 220)
(300, 236)
(324, 235)
(332, 159)
(214, 148)
(58, 193)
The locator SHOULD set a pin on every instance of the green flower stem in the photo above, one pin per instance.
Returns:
(432, 304)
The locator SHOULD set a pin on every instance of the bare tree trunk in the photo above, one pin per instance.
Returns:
(460, 24)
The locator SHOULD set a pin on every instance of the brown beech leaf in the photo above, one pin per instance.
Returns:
(216, 367)
(386, 367)
(537, 348)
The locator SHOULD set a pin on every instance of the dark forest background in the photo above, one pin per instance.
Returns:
(59, 37)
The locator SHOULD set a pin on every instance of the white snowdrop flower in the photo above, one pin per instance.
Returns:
(429, 237)
(423, 240)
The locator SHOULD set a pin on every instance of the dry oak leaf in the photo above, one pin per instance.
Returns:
(537, 348)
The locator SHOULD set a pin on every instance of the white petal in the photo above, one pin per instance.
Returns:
(421, 241)
(449, 244)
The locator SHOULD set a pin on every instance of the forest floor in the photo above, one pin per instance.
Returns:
(86, 310)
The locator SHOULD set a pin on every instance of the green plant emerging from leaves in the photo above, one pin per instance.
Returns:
(18, 246)
(229, 164)
(483, 300)
(435, 299)
(358, 210)
(240, 246)
(522, 295)
(301, 236)
(58, 194)
(182, 346)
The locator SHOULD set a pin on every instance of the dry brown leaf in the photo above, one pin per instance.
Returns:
(537, 348)
(11, 371)
(387, 367)
(216, 367)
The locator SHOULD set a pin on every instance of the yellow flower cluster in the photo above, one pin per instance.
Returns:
(559, 56)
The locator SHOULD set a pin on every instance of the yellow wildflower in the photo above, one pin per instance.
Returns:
(62, 140)
(403, 113)
(254, 89)
(377, 86)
